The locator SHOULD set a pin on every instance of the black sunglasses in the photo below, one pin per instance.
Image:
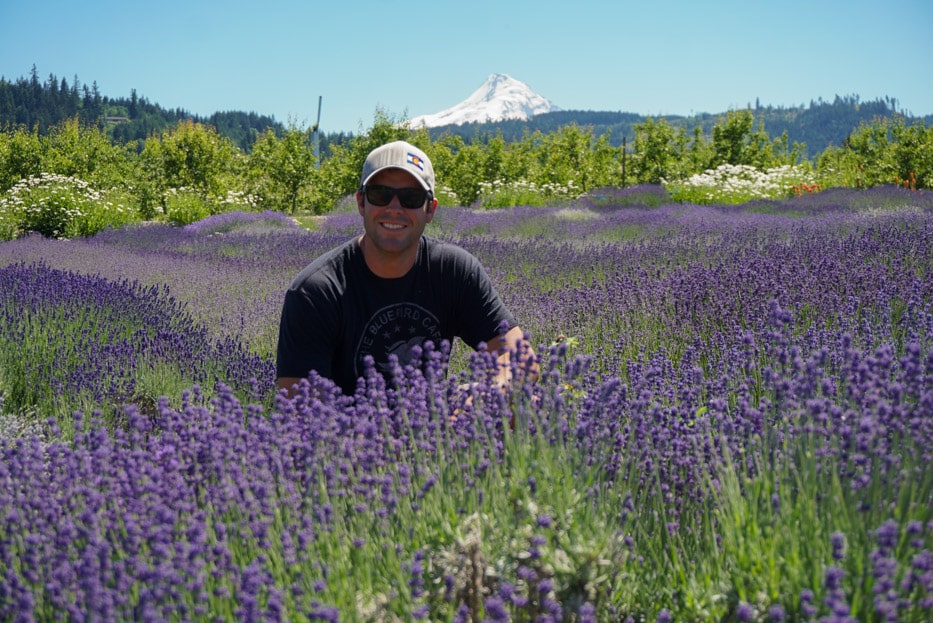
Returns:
(411, 198)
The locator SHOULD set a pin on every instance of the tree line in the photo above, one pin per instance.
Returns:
(192, 170)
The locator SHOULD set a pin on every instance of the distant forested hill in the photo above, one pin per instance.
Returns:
(43, 104)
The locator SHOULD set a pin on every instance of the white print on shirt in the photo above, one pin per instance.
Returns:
(395, 329)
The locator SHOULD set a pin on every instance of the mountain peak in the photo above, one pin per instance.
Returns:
(500, 97)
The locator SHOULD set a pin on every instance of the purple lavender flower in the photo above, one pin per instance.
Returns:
(416, 582)
(886, 535)
(325, 613)
(807, 609)
(744, 612)
(838, 541)
(776, 614)
(833, 578)
(553, 608)
(496, 610)
(527, 574)
(463, 614)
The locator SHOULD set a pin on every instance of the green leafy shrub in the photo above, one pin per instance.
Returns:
(282, 169)
(85, 151)
(191, 156)
(113, 209)
(499, 194)
(20, 156)
(882, 152)
(184, 206)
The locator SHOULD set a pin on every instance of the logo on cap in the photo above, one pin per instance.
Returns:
(415, 161)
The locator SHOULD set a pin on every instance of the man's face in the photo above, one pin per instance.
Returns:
(394, 229)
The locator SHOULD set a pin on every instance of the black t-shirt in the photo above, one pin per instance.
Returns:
(337, 311)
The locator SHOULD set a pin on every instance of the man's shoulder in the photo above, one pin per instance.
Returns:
(442, 250)
(328, 266)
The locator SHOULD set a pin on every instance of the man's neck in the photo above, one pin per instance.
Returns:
(387, 265)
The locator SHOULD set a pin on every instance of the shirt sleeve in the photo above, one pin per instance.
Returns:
(483, 313)
(307, 336)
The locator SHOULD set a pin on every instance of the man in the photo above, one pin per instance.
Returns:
(391, 288)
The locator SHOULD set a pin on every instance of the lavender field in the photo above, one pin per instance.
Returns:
(734, 422)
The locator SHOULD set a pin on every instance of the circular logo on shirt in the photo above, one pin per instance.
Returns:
(395, 330)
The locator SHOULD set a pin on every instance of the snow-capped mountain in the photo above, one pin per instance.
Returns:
(500, 97)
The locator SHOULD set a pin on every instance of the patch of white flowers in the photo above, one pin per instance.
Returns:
(51, 204)
(740, 183)
(237, 199)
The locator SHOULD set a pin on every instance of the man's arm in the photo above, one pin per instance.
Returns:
(306, 340)
(288, 384)
(513, 341)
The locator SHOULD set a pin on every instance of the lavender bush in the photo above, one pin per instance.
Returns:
(70, 339)
(733, 423)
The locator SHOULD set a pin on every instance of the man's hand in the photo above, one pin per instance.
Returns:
(503, 346)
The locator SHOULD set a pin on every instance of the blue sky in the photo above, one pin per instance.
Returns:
(417, 57)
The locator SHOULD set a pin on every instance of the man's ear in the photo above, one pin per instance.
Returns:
(431, 209)
(359, 201)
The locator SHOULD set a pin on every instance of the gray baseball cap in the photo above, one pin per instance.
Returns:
(399, 155)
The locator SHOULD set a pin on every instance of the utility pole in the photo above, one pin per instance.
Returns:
(315, 135)
(623, 161)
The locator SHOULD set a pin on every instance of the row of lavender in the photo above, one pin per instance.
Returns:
(737, 425)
